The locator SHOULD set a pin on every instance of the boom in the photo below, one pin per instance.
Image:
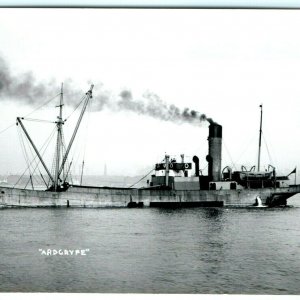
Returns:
(35, 149)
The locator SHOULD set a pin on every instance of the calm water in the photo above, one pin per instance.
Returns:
(199, 250)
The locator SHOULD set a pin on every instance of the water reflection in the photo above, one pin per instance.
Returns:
(197, 239)
(213, 213)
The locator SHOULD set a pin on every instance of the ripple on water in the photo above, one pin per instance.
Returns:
(200, 250)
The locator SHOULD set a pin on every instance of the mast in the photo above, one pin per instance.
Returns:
(259, 142)
(88, 97)
(81, 172)
(59, 140)
(167, 169)
(59, 166)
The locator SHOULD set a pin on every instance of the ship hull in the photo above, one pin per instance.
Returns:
(95, 197)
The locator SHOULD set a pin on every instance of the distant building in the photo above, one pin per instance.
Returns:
(105, 170)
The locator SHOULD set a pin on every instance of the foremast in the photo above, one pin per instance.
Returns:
(60, 167)
(59, 145)
(86, 101)
(60, 159)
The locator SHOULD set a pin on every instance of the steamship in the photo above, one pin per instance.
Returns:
(173, 184)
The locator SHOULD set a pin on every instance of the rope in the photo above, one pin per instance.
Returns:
(244, 151)
(67, 161)
(47, 141)
(87, 127)
(141, 179)
(13, 124)
(270, 158)
(35, 156)
(37, 120)
(145, 175)
(82, 99)
(30, 163)
(24, 150)
(62, 138)
(53, 164)
(275, 160)
(47, 144)
(49, 138)
(76, 145)
(86, 135)
(7, 128)
(228, 153)
(41, 105)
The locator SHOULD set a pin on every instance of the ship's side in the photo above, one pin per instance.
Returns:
(122, 197)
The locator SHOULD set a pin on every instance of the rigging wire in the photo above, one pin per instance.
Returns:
(75, 158)
(145, 175)
(34, 155)
(64, 149)
(34, 158)
(24, 150)
(37, 120)
(142, 178)
(81, 100)
(228, 153)
(69, 173)
(53, 164)
(275, 160)
(67, 164)
(62, 138)
(48, 101)
(85, 137)
(13, 124)
(270, 158)
(46, 144)
(50, 137)
(246, 148)
(29, 164)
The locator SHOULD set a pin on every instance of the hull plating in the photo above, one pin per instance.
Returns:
(119, 197)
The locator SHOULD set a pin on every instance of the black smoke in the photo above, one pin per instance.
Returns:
(23, 87)
(151, 105)
(27, 89)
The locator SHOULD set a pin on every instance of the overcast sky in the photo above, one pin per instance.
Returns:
(223, 63)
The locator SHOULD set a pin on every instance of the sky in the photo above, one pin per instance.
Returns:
(221, 63)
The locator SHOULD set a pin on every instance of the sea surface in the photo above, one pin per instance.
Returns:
(151, 250)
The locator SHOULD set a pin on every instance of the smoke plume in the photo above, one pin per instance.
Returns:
(151, 105)
(27, 89)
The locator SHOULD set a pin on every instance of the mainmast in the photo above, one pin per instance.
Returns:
(87, 99)
(81, 172)
(259, 142)
(59, 140)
